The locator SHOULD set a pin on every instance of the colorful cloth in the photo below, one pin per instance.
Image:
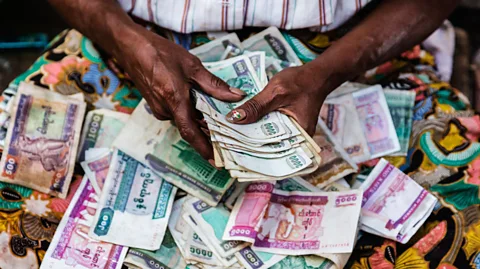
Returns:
(28, 220)
(188, 16)
(443, 156)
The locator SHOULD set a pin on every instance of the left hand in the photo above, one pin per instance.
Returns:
(296, 91)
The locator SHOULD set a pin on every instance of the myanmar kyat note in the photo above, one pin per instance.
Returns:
(394, 206)
(272, 42)
(361, 123)
(141, 133)
(96, 167)
(296, 222)
(211, 222)
(168, 256)
(100, 129)
(71, 247)
(218, 49)
(143, 138)
(401, 105)
(237, 72)
(251, 259)
(335, 162)
(182, 166)
(135, 205)
(42, 140)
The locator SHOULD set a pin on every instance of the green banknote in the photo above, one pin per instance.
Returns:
(168, 256)
(182, 166)
(272, 42)
(237, 72)
(401, 105)
(309, 261)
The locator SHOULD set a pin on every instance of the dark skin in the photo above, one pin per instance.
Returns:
(164, 72)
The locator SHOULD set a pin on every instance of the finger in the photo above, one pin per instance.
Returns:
(254, 109)
(216, 87)
(191, 132)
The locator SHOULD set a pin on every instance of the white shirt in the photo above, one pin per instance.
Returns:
(187, 16)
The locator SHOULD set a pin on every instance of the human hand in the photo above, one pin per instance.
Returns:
(297, 91)
(164, 73)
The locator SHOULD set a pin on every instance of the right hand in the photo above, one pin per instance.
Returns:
(164, 73)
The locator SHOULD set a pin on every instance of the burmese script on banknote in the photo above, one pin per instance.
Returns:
(71, 247)
(145, 138)
(135, 205)
(42, 140)
(280, 222)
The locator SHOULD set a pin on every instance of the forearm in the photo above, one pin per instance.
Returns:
(392, 28)
(103, 21)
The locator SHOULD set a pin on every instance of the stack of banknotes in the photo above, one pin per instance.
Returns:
(273, 148)
(277, 198)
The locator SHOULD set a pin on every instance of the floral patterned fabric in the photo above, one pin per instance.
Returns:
(444, 153)
(71, 64)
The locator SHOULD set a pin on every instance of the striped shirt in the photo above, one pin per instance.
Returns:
(187, 16)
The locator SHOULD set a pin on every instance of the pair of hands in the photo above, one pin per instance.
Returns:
(165, 72)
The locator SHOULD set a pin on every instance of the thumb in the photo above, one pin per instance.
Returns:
(253, 110)
(216, 87)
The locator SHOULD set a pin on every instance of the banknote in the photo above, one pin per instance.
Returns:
(272, 42)
(197, 251)
(269, 126)
(203, 247)
(182, 166)
(135, 205)
(339, 185)
(279, 167)
(299, 222)
(400, 104)
(42, 140)
(232, 198)
(295, 184)
(211, 222)
(365, 110)
(251, 259)
(168, 256)
(96, 168)
(237, 72)
(101, 128)
(71, 246)
(307, 261)
(335, 161)
(177, 226)
(219, 49)
(257, 58)
(159, 145)
(394, 206)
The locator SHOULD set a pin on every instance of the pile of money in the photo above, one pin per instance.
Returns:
(249, 152)
(277, 197)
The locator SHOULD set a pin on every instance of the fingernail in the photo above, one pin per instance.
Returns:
(237, 91)
(236, 115)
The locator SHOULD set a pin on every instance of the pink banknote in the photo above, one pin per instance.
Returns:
(295, 222)
(393, 205)
(361, 122)
(71, 247)
(96, 170)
